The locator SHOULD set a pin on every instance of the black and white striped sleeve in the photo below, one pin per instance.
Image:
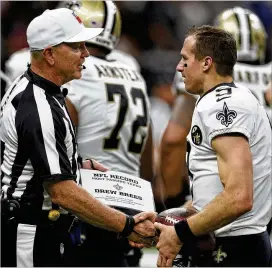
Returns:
(43, 134)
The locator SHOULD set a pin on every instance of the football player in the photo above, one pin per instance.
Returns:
(251, 38)
(229, 159)
(250, 71)
(110, 109)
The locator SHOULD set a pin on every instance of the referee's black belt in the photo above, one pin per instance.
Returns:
(27, 214)
(64, 220)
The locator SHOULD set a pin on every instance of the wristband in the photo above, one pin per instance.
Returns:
(184, 232)
(128, 229)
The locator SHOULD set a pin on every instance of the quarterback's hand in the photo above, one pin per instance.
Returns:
(94, 165)
(169, 245)
(151, 243)
(144, 231)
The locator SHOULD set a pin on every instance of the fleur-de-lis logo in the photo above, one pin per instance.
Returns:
(118, 187)
(226, 116)
(196, 135)
(219, 255)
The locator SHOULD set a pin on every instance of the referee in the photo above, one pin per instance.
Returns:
(39, 157)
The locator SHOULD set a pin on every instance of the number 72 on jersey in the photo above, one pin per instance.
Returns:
(113, 141)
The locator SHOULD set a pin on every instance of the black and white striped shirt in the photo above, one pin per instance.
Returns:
(37, 140)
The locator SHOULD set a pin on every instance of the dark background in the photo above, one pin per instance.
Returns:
(152, 31)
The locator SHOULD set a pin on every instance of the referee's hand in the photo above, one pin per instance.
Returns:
(94, 165)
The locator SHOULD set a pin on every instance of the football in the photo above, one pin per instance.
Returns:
(174, 215)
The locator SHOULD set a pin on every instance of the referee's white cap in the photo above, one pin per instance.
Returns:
(55, 26)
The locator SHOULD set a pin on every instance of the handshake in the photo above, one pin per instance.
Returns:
(143, 229)
(140, 230)
(167, 232)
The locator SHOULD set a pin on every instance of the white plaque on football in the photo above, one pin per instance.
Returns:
(118, 189)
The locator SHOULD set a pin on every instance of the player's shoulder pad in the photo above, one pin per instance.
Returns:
(113, 71)
(227, 109)
(234, 94)
(253, 75)
(125, 58)
(17, 63)
(263, 68)
(109, 67)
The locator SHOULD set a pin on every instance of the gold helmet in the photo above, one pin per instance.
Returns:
(101, 14)
(248, 31)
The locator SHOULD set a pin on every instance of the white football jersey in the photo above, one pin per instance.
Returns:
(125, 58)
(160, 115)
(17, 63)
(113, 110)
(256, 78)
(5, 78)
(178, 85)
(225, 109)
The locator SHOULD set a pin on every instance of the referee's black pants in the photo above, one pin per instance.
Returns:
(101, 248)
(238, 251)
(35, 245)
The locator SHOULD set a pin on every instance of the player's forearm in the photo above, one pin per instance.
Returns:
(222, 210)
(147, 159)
(173, 168)
(147, 169)
(80, 203)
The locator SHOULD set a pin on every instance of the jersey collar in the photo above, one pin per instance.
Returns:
(214, 88)
(43, 83)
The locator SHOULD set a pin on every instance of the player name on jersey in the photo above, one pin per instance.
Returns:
(259, 75)
(118, 72)
(119, 189)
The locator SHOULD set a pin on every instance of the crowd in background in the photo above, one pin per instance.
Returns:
(152, 31)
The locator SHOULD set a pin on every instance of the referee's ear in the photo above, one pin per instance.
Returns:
(48, 55)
